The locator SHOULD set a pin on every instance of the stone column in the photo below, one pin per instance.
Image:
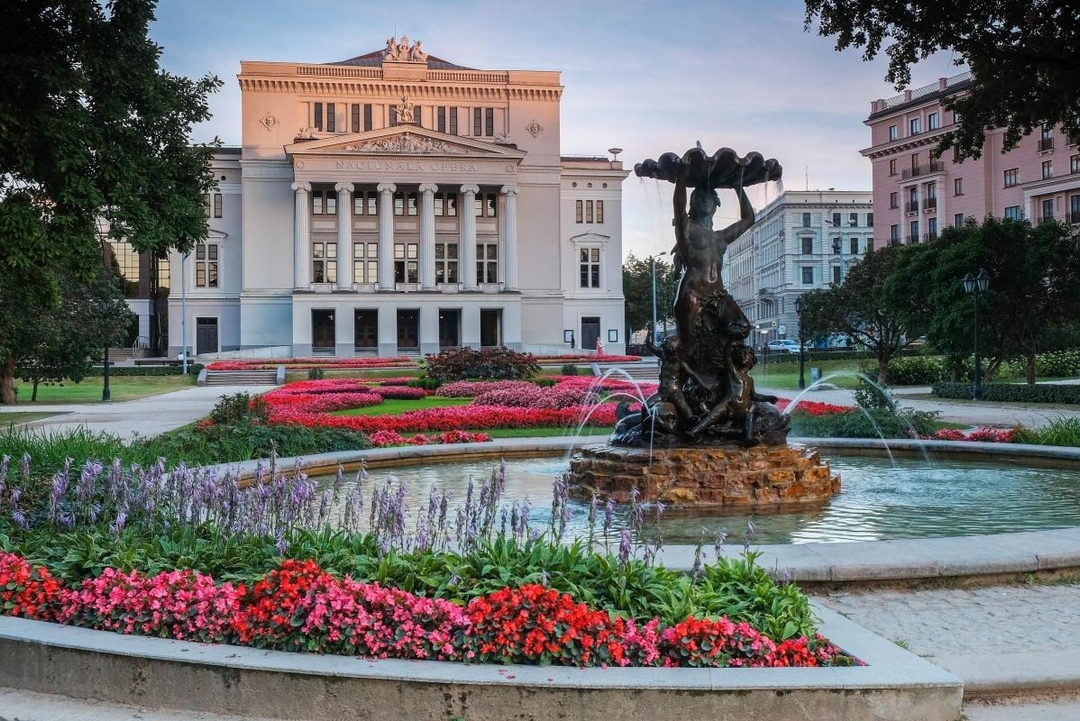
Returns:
(921, 190)
(509, 254)
(943, 219)
(467, 240)
(344, 236)
(427, 236)
(386, 235)
(302, 236)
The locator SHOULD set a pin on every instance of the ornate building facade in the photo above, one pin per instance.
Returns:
(395, 203)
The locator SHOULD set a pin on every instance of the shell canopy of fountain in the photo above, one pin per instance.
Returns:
(720, 170)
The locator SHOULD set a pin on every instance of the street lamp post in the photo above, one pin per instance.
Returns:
(798, 312)
(975, 286)
(655, 327)
(106, 308)
(183, 314)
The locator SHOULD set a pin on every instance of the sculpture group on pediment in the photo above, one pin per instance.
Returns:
(403, 52)
(406, 143)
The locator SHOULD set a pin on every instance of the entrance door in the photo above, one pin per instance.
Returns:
(408, 330)
(590, 333)
(206, 335)
(490, 328)
(322, 331)
(366, 329)
(449, 328)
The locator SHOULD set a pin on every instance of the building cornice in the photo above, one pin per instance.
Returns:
(912, 142)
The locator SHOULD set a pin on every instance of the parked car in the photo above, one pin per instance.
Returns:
(782, 346)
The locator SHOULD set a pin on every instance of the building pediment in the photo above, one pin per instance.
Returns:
(590, 238)
(404, 140)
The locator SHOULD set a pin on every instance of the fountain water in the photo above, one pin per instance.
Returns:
(706, 436)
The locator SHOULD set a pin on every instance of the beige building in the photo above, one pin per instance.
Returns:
(395, 203)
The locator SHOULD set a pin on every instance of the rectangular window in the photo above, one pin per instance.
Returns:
(836, 275)
(931, 192)
(807, 275)
(365, 202)
(854, 250)
(915, 126)
(323, 262)
(1048, 209)
(331, 202)
(406, 263)
(956, 118)
(410, 204)
(599, 211)
(206, 265)
(477, 121)
(836, 220)
(579, 211)
(453, 121)
(932, 121)
(1012, 177)
(366, 262)
(958, 186)
(486, 204)
(853, 219)
(588, 211)
(440, 118)
(399, 203)
(489, 122)
(807, 246)
(446, 263)
(894, 232)
(318, 116)
(892, 167)
(894, 132)
(958, 220)
(915, 163)
(913, 232)
(869, 245)
(894, 200)
(1074, 164)
(331, 118)
(1074, 209)
(806, 220)
(393, 115)
(869, 220)
(487, 263)
(369, 117)
(1047, 169)
(354, 117)
(217, 205)
(589, 267)
(1012, 212)
(931, 228)
(836, 245)
(317, 204)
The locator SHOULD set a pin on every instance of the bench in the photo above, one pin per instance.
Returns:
(156, 362)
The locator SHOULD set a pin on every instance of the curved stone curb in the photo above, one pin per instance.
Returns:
(83, 664)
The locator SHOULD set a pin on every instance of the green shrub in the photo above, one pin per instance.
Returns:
(1059, 432)
(316, 374)
(869, 423)
(912, 370)
(425, 383)
(569, 369)
(1012, 392)
(136, 371)
(456, 364)
(240, 407)
(870, 396)
(1059, 364)
(194, 369)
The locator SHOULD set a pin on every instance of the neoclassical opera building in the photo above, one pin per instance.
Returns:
(396, 203)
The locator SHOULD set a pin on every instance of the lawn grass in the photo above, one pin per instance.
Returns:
(785, 376)
(17, 418)
(393, 406)
(121, 388)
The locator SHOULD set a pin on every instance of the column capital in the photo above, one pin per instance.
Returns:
(301, 186)
(386, 188)
(428, 188)
(344, 187)
(509, 190)
(474, 189)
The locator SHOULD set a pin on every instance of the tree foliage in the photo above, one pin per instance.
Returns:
(90, 128)
(1024, 56)
(637, 289)
(858, 308)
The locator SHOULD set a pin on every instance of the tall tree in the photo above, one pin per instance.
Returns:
(637, 289)
(859, 308)
(90, 127)
(1024, 56)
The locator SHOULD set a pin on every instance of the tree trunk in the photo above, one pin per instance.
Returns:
(7, 382)
(1029, 368)
(884, 356)
(33, 395)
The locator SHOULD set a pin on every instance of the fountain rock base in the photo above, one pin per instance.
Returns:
(704, 475)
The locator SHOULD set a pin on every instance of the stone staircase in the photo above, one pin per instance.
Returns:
(241, 378)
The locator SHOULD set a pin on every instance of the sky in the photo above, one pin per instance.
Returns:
(647, 76)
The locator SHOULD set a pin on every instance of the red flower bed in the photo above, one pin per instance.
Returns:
(301, 607)
(813, 408)
(382, 439)
(453, 418)
(984, 434)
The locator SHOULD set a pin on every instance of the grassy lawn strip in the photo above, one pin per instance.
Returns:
(785, 376)
(392, 406)
(16, 418)
(122, 388)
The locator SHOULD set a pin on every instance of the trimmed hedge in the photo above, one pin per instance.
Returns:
(116, 372)
(1015, 392)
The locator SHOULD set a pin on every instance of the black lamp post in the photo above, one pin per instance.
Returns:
(798, 312)
(976, 285)
(106, 306)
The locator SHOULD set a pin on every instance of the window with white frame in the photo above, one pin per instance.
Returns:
(217, 205)
(486, 204)
(894, 132)
(406, 263)
(1047, 169)
(1012, 212)
(366, 262)
(323, 262)
(446, 205)
(1074, 164)
(1048, 209)
(487, 263)
(1011, 177)
(915, 126)
(892, 167)
(589, 267)
(366, 202)
(206, 265)
(958, 220)
(446, 263)
(324, 202)
(958, 186)
(807, 275)
(932, 121)
(807, 246)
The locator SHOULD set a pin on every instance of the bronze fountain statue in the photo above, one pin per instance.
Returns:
(706, 436)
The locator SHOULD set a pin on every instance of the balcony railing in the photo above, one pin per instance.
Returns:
(1046, 144)
(935, 166)
(912, 206)
(930, 203)
(913, 239)
(927, 237)
(1074, 217)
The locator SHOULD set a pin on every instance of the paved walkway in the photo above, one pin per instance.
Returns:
(148, 416)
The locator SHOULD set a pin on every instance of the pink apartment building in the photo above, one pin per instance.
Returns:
(915, 195)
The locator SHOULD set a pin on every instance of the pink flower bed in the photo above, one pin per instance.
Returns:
(529, 395)
(984, 434)
(453, 418)
(382, 439)
(301, 607)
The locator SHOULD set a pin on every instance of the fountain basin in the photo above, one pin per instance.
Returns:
(728, 476)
